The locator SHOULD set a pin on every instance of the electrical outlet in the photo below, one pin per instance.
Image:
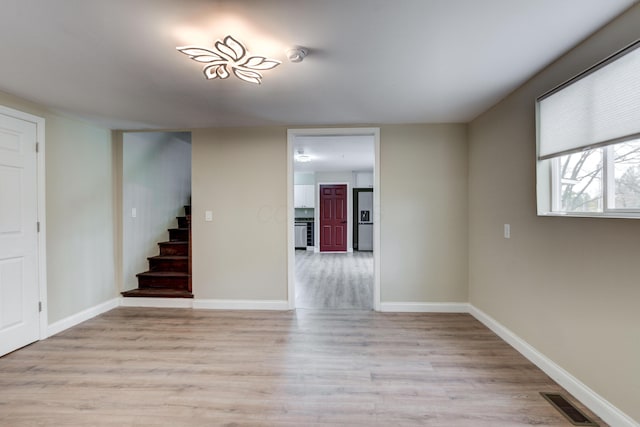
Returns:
(134, 212)
(507, 231)
(208, 216)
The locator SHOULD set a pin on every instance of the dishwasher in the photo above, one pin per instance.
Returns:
(301, 235)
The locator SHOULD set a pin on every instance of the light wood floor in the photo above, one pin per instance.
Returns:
(182, 367)
(334, 281)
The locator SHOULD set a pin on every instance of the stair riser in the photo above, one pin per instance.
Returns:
(176, 235)
(187, 210)
(169, 265)
(182, 222)
(174, 249)
(156, 293)
(164, 282)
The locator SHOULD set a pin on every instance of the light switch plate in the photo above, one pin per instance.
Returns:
(507, 231)
(134, 212)
(208, 215)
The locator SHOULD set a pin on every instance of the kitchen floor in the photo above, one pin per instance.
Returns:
(334, 281)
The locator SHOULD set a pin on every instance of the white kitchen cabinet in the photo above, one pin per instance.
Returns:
(298, 196)
(304, 196)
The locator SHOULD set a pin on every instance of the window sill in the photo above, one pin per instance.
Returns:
(611, 215)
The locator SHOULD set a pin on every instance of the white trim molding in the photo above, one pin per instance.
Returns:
(156, 302)
(425, 307)
(292, 133)
(592, 400)
(84, 315)
(230, 304)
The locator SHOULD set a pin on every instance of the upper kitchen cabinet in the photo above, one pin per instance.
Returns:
(304, 196)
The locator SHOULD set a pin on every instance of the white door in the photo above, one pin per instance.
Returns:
(19, 291)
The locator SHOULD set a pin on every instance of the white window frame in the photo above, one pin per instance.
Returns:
(609, 186)
(548, 185)
(608, 190)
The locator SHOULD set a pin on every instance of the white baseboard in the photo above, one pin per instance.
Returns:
(73, 320)
(156, 302)
(228, 304)
(425, 307)
(583, 393)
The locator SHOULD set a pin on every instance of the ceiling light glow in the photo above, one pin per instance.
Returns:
(230, 54)
(302, 158)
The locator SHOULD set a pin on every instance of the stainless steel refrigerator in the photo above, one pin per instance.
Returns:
(365, 220)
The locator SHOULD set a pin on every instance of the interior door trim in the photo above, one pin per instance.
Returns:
(291, 135)
(347, 235)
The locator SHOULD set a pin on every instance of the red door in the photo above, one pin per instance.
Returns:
(333, 218)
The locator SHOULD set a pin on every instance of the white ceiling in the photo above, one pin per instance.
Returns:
(335, 153)
(115, 62)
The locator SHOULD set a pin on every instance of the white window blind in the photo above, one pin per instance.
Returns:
(599, 107)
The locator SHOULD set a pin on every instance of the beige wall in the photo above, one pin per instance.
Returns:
(567, 286)
(423, 213)
(80, 212)
(241, 176)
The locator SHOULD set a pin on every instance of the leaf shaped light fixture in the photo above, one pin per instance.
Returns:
(230, 54)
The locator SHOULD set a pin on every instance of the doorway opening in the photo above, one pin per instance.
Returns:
(156, 216)
(329, 267)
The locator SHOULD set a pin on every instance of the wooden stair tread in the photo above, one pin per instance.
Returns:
(162, 274)
(157, 293)
(169, 274)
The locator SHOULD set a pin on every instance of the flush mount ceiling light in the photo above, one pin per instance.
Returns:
(301, 157)
(230, 54)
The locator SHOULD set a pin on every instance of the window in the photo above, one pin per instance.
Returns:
(600, 180)
(588, 141)
(577, 182)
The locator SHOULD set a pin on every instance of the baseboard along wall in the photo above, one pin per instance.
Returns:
(225, 304)
(424, 307)
(592, 400)
(84, 315)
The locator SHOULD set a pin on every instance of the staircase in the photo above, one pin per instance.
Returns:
(169, 274)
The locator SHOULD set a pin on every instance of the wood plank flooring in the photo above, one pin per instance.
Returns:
(334, 281)
(183, 367)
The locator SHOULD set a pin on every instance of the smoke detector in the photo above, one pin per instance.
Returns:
(297, 53)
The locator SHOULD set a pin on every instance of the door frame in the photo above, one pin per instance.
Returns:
(41, 252)
(291, 135)
(316, 217)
